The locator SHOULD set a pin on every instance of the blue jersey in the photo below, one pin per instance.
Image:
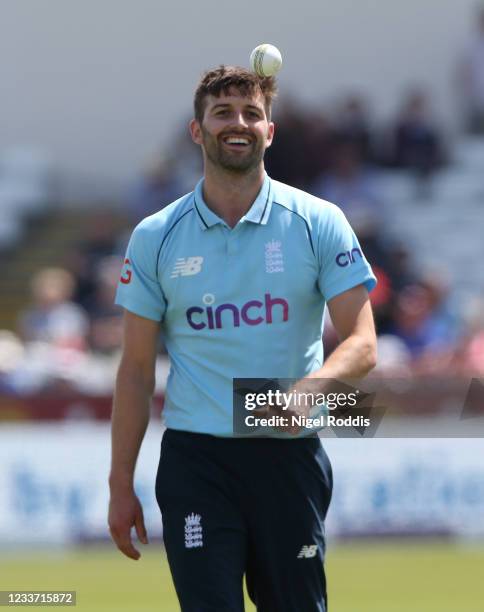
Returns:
(242, 302)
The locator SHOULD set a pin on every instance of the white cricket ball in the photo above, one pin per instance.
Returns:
(266, 60)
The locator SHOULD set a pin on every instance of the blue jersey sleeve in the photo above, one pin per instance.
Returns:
(139, 290)
(341, 260)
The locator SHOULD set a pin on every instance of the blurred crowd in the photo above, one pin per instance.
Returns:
(70, 334)
(332, 154)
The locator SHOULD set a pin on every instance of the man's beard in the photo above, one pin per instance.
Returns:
(231, 161)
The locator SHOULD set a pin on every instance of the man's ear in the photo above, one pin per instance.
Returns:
(270, 134)
(195, 131)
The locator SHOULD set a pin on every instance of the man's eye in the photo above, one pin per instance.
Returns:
(253, 114)
(221, 113)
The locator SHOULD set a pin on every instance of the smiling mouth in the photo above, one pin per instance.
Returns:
(238, 142)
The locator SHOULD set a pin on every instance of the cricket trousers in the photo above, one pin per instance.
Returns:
(236, 506)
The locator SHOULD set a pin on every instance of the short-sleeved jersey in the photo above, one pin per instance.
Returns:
(242, 302)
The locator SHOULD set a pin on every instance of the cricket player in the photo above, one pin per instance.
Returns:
(236, 276)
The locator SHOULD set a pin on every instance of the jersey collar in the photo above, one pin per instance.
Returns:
(257, 213)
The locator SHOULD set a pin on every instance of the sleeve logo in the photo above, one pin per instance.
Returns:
(126, 272)
(346, 258)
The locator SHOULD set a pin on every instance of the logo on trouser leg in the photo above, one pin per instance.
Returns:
(193, 531)
(308, 552)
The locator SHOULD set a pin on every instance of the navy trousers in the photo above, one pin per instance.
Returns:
(236, 506)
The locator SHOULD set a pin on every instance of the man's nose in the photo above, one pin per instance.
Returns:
(240, 120)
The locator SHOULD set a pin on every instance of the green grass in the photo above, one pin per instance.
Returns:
(369, 577)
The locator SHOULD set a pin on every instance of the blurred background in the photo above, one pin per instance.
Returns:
(381, 110)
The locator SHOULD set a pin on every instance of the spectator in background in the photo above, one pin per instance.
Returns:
(317, 146)
(12, 353)
(411, 316)
(470, 80)
(415, 142)
(188, 173)
(157, 187)
(285, 159)
(352, 124)
(105, 329)
(101, 241)
(53, 317)
(394, 271)
(400, 266)
(469, 355)
(424, 321)
(351, 185)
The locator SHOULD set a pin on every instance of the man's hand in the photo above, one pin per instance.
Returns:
(125, 512)
(292, 407)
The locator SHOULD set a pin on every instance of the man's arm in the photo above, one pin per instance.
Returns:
(135, 384)
(352, 318)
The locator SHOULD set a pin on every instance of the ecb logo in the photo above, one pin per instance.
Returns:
(346, 258)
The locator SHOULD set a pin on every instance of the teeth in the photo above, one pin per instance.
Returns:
(237, 141)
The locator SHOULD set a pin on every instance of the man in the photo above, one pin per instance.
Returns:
(236, 275)
(470, 78)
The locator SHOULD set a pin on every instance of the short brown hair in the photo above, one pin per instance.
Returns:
(220, 80)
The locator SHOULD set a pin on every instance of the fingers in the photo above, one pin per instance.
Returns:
(268, 411)
(139, 525)
(121, 523)
(262, 411)
(122, 539)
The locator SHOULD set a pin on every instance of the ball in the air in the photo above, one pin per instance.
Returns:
(266, 60)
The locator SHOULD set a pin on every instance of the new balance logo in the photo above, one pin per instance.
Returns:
(187, 266)
(308, 552)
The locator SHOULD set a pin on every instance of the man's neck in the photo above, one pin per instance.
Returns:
(230, 195)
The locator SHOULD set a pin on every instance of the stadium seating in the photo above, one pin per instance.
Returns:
(26, 184)
(444, 231)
